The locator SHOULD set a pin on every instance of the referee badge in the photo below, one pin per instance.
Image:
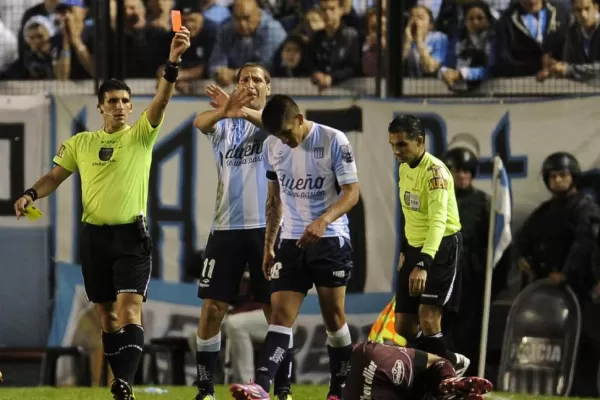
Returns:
(60, 151)
(407, 198)
(105, 153)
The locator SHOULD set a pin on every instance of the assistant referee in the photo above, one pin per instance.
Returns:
(114, 165)
(429, 275)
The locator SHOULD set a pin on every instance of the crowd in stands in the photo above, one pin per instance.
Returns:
(461, 42)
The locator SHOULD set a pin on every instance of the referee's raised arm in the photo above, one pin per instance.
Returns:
(166, 86)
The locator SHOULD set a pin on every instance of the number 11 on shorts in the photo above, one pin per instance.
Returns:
(207, 269)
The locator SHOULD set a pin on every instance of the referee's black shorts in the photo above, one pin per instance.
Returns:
(442, 287)
(114, 259)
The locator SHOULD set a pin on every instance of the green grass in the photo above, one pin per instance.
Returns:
(301, 392)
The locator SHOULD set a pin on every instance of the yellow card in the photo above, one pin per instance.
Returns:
(33, 213)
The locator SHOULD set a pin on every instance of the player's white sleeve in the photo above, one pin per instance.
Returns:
(271, 175)
(342, 156)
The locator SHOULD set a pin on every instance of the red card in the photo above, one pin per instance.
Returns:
(176, 20)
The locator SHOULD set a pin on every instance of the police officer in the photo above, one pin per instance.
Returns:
(558, 242)
(474, 211)
(558, 239)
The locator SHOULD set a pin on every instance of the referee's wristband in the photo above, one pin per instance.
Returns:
(171, 72)
(31, 192)
(424, 262)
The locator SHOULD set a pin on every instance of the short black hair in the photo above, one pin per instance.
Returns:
(408, 124)
(110, 85)
(278, 112)
(265, 71)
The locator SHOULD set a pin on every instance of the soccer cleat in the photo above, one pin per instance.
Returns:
(462, 364)
(204, 396)
(251, 391)
(283, 396)
(121, 390)
(333, 397)
(471, 388)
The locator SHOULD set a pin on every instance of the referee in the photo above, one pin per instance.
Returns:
(431, 242)
(114, 165)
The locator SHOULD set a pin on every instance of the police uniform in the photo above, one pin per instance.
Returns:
(474, 211)
(115, 244)
(431, 237)
(560, 234)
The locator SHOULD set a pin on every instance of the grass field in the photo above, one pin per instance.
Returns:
(307, 392)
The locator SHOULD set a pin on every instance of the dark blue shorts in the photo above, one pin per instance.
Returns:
(327, 263)
(227, 255)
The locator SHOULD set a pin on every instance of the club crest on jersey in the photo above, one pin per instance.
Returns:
(347, 153)
(105, 153)
(319, 152)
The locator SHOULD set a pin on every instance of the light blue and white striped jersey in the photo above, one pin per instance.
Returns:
(242, 188)
(310, 177)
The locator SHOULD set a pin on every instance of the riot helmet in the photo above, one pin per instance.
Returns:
(561, 161)
(461, 158)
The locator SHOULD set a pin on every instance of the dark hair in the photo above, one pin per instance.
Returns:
(265, 71)
(280, 109)
(408, 124)
(110, 85)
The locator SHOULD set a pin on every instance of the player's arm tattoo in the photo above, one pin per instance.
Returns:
(51, 181)
(274, 212)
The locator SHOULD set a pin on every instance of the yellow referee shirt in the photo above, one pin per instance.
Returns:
(428, 203)
(114, 170)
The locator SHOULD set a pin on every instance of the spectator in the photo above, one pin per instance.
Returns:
(203, 34)
(282, 9)
(369, 51)
(217, 13)
(311, 23)
(529, 35)
(451, 18)
(362, 7)
(424, 50)
(581, 53)
(159, 14)
(291, 60)
(37, 58)
(252, 36)
(335, 50)
(45, 8)
(138, 55)
(73, 44)
(474, 52)
(350, 17)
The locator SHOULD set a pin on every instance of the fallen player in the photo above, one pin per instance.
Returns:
(388, 372)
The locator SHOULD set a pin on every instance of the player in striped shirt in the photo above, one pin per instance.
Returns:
(313, 183)
(238, 230)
